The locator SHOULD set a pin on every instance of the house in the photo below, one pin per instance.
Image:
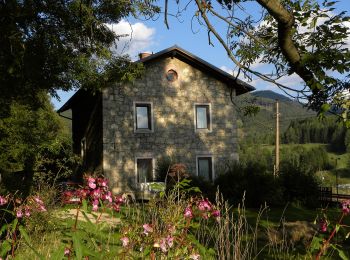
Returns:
(181, 107)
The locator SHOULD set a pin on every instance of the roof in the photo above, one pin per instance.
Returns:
(176, 51)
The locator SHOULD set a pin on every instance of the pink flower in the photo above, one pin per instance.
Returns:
(323, 225)
(42, 208)
(102, 182)
(346, 207)
(91, 179)
(170, 241)
(91, 182)
(95, 205)
(125, 241)
(96, 194)
(215, 213)
(108, 196)
(38, 200)
(204, 205)
(3, 200)
(92, 185)
(116, 207)
(195, 256)
(147, 228)
(19, 213)
(119, 200)
(163, 246)
(66, 251)
(188, 212)
(27, 211)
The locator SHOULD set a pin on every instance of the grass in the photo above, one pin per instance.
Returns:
(48, 234)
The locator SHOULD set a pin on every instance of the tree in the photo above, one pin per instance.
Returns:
(295, 36)
(51, 45)
(46, 46)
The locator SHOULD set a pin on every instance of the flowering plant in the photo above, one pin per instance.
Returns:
(20, 210)
(165, 230)
(327, 231)
(96, 192)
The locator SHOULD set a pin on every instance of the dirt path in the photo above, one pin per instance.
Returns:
(102, 217)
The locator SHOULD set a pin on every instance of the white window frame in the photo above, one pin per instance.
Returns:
(195, 118)
(135, 116)
(153, 167)
(212, 164)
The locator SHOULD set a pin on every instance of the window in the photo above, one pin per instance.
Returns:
(143, 117)
(171, 75)
(205, 167)
(144, 170)
(202, 117)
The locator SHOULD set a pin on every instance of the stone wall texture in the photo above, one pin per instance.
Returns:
(174, 132)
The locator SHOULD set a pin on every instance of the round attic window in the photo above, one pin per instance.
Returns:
(171, 75)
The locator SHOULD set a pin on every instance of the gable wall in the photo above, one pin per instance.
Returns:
(174, 134)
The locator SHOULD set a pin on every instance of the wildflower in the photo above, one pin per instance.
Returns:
(108, 196)
(163, 246)
(91, 183)
(346, 207)
(19, 213)
(170, 241)
(188, 212)
(204, 205)
(66, 251)
(102, 182)
(42, 208)
(147, 228)
(195, 256)
(96, 194)
(40, 204)
(95, 205)
(38, 200)
(215, 214)
(3, 200)
(125, 241)
(118, 199)
(116, 207)
(323, 225)
(27, 211)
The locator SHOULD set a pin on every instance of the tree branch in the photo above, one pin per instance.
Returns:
(285, 21)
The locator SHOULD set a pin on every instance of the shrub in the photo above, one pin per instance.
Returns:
(299, 186)
(254, 180)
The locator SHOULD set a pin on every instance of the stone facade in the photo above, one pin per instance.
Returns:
(173, 112)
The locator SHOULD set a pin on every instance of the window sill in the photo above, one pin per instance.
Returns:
(143, 131)
(199, 130)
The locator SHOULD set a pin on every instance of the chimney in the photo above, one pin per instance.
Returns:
(143, 55)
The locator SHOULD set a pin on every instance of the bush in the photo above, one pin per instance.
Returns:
(253, 180)
(299, 186)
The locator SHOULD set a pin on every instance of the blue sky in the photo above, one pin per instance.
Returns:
(153, 36)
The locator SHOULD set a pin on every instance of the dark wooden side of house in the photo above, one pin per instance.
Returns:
(87, 130)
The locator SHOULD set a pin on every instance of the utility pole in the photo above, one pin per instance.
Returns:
(277, 142)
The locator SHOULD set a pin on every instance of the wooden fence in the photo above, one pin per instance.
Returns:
(326, 196)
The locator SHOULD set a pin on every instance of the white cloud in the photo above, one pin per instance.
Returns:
(139, 37)
(227, 69)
